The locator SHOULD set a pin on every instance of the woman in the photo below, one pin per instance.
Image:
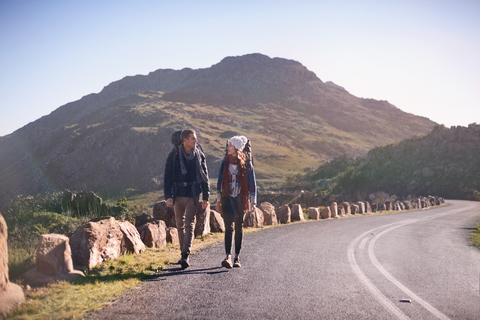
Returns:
(236, 194)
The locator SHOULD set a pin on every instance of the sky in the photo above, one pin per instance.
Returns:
(423, 56)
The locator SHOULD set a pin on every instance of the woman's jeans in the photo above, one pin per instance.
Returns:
(233, 217)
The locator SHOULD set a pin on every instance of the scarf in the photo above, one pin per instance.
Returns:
(240, 162)
(201, 175)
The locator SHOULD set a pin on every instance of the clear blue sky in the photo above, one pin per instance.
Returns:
(423, 56)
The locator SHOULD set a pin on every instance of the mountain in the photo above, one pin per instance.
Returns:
(443, 163)
(116, 141)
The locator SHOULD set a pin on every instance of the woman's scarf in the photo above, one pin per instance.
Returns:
(240, 162)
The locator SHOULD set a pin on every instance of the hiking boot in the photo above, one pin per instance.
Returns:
(184, 262)
(227, 263)
(236, 263)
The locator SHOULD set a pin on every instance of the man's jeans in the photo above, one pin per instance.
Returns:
(185, 212)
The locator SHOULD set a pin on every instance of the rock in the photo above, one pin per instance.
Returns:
(253, 219)
(142, 219)
(4, 279)
(96, 241)
(313, 213)
(383, 207)
(419, 203)
(346, 206)
(54, 255)
(202, 225)
(375, 207)
(326, 213)
(162, 212)
(388, 206)
(361, 207)
(284, 214)
(269, 215)
(407, 205)
(297, 213)
(355, 209)
(341, 210)
(131, 242)
(11, 295)
(172, 235)
(368, 208)
(154, 234)
(334, 210)
(10, 298)
(217, 224)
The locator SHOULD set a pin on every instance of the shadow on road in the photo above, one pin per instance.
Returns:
(179, 271)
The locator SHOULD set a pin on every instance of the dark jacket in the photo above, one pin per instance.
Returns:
(185, 185)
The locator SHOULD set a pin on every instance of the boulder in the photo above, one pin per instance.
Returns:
(375, 207)
(54, 255)
(297, 213)
(368, 208)
(355, 209)
(172, 235)
(388, 206)
(313, 213)
(142, 219)
(131, 241)
(96, 241)
(284, 214)
(253, 219)
(202, 225)
(325, 214)
(11, 295)
(217, 224)
(154, 234)
(334, 210)
(346, 206)
(269, 215)
(341, 210)
(361, 207)
(407, 205)
(419, 204)
(383, 207)
(162, 212)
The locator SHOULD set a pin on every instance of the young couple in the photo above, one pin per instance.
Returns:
(186, 176)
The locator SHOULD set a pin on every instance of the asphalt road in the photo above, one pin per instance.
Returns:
(354, 268)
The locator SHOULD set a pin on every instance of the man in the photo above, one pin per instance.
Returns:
(186, 176)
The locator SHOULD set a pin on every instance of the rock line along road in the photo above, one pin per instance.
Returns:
(356, 268)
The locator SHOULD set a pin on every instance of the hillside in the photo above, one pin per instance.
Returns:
(116, 141)
(445, 163)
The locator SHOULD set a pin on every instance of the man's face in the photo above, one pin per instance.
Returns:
(190, 142)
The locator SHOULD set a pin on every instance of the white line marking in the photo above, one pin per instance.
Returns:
(370, 286)
(363, 243)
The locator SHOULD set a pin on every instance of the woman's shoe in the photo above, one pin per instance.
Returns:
(227, 263)
(236, 263)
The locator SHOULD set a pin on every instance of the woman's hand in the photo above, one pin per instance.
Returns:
(252, 207)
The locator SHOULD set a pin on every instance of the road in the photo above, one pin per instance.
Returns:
(353, 268)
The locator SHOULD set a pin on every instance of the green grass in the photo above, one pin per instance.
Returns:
(475, 236)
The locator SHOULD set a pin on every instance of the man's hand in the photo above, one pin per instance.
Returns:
(252, 207)
(169, 202)
(204, 204)
(218, 207)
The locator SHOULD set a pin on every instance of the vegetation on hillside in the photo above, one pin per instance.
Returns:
(443, 163)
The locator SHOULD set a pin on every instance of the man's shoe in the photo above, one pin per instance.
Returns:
(184, 262)
(236, 263)
(227, 263)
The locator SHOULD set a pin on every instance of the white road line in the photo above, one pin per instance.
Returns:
(370, 286)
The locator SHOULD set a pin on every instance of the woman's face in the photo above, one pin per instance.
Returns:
(231, 149)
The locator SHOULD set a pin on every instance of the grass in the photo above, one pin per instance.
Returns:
(76, 300)
(475, 236)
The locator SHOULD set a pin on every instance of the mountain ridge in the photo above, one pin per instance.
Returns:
(118, 139)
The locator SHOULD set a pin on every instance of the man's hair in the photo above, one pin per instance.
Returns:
(186, 133)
